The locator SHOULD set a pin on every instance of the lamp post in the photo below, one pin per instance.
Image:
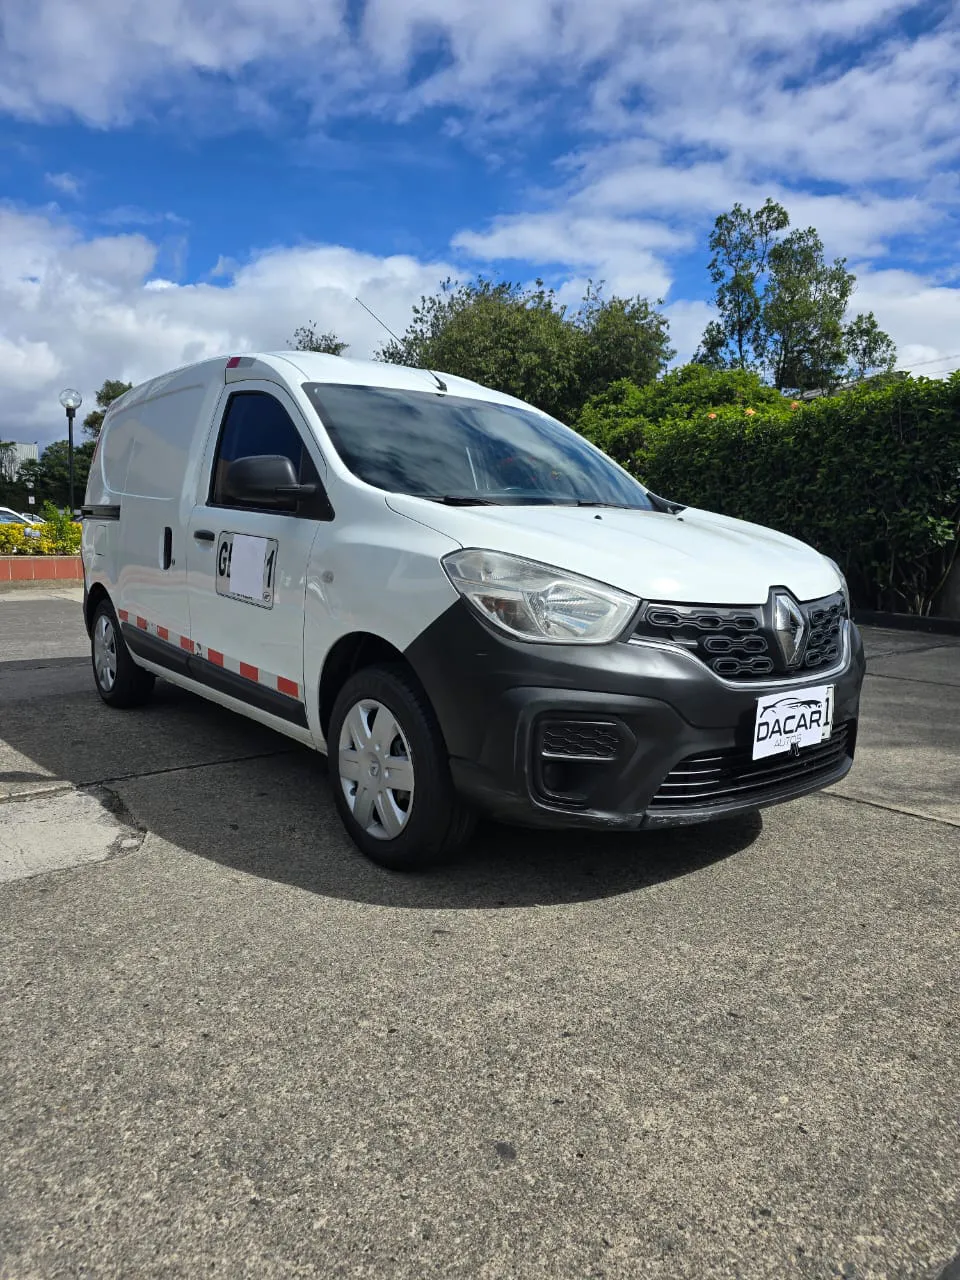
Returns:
(71, 401)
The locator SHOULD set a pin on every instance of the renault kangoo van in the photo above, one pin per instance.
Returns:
(463, 604)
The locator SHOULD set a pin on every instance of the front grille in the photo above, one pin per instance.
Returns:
(579, 740)
(730, 776)
(825, 637)
(738, 642)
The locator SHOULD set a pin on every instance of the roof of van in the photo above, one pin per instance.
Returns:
(316, 367)
(311, 366)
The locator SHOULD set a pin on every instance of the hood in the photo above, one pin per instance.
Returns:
(696, 557)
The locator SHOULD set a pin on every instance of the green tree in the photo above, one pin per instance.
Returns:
(523, 341)
(622, 338)
(110, 391)
(740, 241)
(50, 475)
(306, 338)
(869, 349)
(803, 341)
(712, 351)
(782, 305)
(507, 337)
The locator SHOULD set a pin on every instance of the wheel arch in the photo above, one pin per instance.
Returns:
(351, 653)
(95, 594)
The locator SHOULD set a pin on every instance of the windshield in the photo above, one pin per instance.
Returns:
(454, 449)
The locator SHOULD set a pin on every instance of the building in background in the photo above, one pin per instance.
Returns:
(13, 455)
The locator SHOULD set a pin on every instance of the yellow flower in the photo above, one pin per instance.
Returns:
(750, 412)
(711, 415)
(794, 404)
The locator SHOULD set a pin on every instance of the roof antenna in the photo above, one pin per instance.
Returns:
(438, 380)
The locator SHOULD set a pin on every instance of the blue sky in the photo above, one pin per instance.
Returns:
(209, 179)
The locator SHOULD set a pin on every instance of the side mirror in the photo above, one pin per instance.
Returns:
(267, 480)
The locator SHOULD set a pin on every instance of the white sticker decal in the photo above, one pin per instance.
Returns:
(246, 566)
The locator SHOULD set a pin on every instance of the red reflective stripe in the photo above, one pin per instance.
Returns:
(214, 656)
(289, 687)
(233, 362)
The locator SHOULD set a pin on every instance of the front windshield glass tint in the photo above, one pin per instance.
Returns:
(440, 446)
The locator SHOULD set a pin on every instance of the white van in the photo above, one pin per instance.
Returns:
(460, 601)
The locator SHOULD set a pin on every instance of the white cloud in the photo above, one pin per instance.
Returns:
(131, 215)
(622, 252)
(110, 60)
(921, 315)
(65, 183)
(706, 70)
(76, 311)
(688, 319)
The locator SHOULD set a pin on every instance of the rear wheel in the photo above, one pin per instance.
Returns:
(390, 772)
(120, 682)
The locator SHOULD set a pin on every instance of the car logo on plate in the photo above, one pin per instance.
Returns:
(789, 626)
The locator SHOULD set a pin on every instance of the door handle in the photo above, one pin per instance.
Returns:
(204, 535)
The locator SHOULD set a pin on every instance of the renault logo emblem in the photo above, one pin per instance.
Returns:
(789, 626)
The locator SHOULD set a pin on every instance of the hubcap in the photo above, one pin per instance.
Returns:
(376, 769)
(105, 653)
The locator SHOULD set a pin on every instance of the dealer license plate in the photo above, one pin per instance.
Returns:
(792, 721)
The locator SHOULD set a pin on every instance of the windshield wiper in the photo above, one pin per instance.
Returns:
(618, 506)
(460, 499)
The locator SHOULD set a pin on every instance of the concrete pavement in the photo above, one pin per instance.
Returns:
(234, 1048)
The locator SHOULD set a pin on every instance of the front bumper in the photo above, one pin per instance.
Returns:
(504, 707)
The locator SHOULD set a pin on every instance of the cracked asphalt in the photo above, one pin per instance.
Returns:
(230, 1047)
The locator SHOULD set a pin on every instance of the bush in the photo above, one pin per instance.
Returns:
(870, 477)
(58, 536)
(12, 539)
(619, 419)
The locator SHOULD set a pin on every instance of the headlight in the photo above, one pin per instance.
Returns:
(536, 602)
(843, 585)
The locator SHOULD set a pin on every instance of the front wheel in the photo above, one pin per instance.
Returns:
(390, 772)
(120, 682)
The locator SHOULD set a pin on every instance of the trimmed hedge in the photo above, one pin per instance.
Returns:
(870, 477)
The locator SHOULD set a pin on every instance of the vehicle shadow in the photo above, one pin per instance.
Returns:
(225, 789)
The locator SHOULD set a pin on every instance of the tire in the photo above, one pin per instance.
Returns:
(399, 828)
(120, 682)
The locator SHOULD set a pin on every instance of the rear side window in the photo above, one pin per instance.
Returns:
(254, 425)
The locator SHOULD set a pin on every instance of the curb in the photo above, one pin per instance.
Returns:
(907, 622)
(63, 588)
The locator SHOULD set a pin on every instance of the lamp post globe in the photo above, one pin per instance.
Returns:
(71, 401)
